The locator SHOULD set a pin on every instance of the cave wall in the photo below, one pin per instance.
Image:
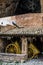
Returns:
(28, 6)
(15, 7)
(8, 7)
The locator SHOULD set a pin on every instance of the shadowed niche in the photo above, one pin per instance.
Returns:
(28, 6)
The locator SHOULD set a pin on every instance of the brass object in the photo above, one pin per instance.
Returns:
(13, 48)
(32, 51)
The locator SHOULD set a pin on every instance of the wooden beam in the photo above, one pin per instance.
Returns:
(31, 23)
(41, 1)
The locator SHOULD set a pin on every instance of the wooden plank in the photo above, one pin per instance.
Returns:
(31, 23)
(41, 2)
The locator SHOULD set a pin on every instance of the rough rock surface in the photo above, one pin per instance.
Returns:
(13, 7)
(7, 7)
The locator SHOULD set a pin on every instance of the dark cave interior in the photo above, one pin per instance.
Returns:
(17, 7)
(28, 6)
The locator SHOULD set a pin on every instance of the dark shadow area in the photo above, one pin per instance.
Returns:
(37, 43)
(28, 6)
(17, 7)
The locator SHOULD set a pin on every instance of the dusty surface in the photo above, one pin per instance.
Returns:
(29, 22)
(31, 62)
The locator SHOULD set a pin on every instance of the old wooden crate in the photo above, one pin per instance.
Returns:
(27, 27)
